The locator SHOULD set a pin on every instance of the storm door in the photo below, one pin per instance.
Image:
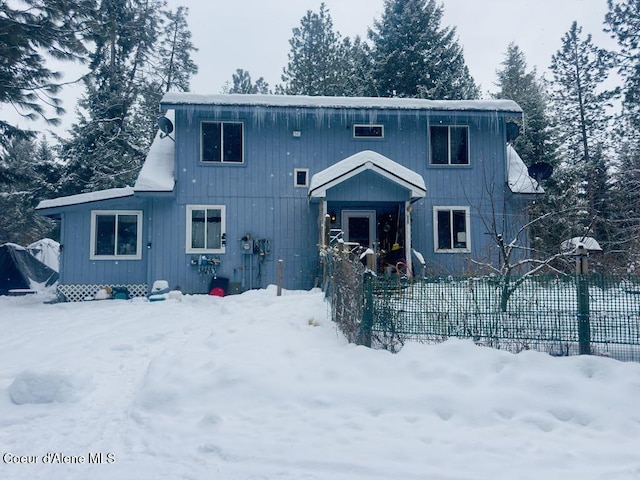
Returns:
(359, 226)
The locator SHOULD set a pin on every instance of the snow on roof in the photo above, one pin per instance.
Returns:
(358, 163)
(157, 173)
(108, 194)
(518, 175)
(175, 99)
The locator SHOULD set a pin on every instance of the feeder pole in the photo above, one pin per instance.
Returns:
(584, 327)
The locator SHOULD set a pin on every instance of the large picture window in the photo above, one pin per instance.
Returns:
(116, 234)
(451, 229)
(222, 142)
(449, 145)
(206, 229)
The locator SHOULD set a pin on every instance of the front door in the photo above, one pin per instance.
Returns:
(359, 226)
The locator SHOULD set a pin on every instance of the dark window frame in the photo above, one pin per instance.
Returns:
(447, 147)
(368, 131)
(222, 142)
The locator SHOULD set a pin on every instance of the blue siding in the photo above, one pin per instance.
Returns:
(261, 199)
(76, 267)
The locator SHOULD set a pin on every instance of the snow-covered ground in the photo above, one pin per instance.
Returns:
(256, 386)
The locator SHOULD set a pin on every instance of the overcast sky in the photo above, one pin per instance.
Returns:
(254, 35)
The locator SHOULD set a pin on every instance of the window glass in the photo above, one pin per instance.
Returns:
(451, 229)
(127, 234)
(197, 228)
(439, 145)
(301, 176)
(232, 142)
(105, 228)
(116, 234)
(458, 144)
(459, 228)
(375, 131)
(214, 228)
(222, 142)
(205, 229)
(444, 230)
(449, 145)
(211, 141)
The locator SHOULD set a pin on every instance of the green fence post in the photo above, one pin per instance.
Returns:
(367, 310)
(582, 280)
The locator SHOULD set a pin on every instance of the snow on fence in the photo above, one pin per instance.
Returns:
(543, 313)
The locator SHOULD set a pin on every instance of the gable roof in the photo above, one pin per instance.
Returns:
(518, 176)
(360, 162)
(177, 99)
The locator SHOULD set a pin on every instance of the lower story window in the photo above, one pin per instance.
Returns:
(206, 229)
(116, 234)
(451, 229)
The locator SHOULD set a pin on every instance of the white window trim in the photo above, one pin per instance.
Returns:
(295, 177)
(467, 216)
(367, 125)
(92, 246)
(223, 228)
(449, 164)
(222, 161)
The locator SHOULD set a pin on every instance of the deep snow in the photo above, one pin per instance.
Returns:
(256, 386)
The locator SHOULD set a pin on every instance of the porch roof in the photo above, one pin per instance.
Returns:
(360, 162)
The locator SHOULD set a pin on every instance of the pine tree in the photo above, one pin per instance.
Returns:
(129, 74)
(242, 83)
(29, 31)
(413, 56)
(32, 173)
(315, 59)
(623, 22)
(582, 125)
(527, 90)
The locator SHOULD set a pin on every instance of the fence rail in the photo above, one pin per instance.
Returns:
(543, 313)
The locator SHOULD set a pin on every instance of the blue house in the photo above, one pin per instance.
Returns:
(234, 183)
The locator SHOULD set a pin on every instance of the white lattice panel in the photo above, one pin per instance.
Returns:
(79, 293)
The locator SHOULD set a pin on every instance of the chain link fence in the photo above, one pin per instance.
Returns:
(543, 313)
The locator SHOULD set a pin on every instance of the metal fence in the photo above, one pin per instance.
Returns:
(560, 315)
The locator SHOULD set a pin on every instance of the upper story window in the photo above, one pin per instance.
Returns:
(451, 229)
(222, 142)
(368, 131)
(449, 145)
(116, 234)
(206, 229)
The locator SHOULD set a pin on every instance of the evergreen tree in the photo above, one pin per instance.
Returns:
(623, 22)
(528, 91)
(29, 31)
(242, 83)
(534, 145)
(32, 175)
(170, 68)
(582, 125)
(129, 73)
(316, 59)
(413, 56)
(355, 58)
